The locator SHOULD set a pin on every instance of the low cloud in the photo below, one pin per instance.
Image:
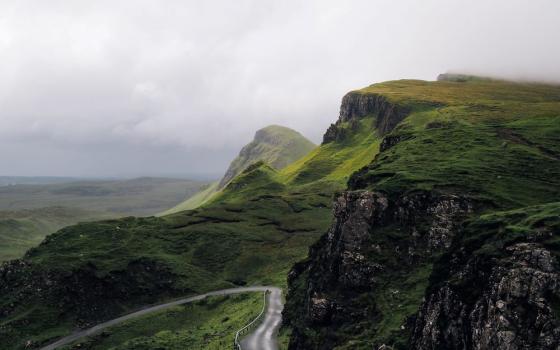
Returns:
(138, 87)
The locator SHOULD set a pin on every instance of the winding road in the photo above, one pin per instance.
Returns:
(263, 338)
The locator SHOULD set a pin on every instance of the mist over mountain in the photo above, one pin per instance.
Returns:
(143, 88)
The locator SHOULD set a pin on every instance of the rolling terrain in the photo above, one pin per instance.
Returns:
(252, 232)
(32, 208)
(420, 176)
(275, 145)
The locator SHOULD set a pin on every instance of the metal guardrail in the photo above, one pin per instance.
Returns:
(250, 325)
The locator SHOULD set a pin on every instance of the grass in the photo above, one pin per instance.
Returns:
(141, 196)
(29, 212)
(495, 142)
(275, 145)
(194, 201)
(251, 232)
(210, 324)
(23, 229)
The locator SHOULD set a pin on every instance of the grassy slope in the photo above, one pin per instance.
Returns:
(194, 201)
(495, 142)
(210, 324)
(28, 213)
(252, 233)
(22, 229)
(275, 145)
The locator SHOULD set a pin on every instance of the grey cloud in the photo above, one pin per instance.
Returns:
(146, 87)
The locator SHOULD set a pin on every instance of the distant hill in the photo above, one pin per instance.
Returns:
(275, 145)
(33, 207)
(34, 180)
(23, 229)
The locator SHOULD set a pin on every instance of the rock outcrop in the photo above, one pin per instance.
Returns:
(356, 105)
(372, 239)
(508, 303)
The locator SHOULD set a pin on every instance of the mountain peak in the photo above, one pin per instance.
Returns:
(276, 145)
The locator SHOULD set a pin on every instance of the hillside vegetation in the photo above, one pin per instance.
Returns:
(208, 324)
(418, 157)
(23, 229)
(441, 225)
(274, 145)
(251, 232)
(39, 206)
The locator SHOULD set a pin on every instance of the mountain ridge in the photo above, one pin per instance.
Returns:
(400, 194)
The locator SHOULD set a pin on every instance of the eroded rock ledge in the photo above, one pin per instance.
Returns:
(507, 305)
(358, 255)
(356, 105)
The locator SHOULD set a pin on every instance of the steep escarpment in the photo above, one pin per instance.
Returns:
(369, 268)
(378, 278)
(356, 105)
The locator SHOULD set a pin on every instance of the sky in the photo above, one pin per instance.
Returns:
(177, 87)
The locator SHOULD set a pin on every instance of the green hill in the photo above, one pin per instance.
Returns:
(23, 229)
(275, 145)
(417, 156)
(32, 208)
(252, 232)
(441, 226)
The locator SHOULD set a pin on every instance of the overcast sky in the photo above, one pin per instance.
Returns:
(127, 88)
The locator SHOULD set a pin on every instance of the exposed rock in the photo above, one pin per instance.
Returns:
(511, 307)
(351, 259)
(356, 105)
(391, 140)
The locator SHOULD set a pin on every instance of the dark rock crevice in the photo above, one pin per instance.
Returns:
(372, 239)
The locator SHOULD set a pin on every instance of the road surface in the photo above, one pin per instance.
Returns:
(265, 336)
(96, 329)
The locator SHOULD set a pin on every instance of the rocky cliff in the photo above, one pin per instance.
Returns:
(356, 105)
(413, 259)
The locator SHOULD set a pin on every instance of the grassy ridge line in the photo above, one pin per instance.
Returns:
(274, 145)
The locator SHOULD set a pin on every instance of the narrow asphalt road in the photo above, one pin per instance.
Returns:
(265, 336)
(96, 329)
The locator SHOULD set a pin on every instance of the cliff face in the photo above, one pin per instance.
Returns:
(413, 259)
(356, 105)
(495, 292)
(374, 246)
